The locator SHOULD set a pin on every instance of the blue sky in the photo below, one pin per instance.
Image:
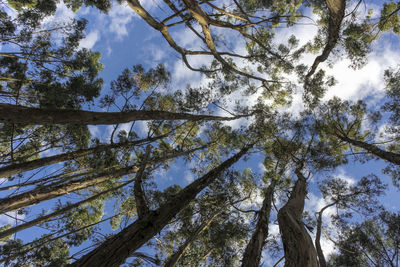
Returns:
(125, 40)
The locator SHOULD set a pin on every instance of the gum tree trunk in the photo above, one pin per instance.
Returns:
(39, 116)
(252, 254)
(297, 244)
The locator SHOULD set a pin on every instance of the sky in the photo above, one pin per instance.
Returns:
(124, 40)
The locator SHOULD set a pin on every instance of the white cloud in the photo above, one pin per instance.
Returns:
(120, 16)
(90, 40)
(62, 15)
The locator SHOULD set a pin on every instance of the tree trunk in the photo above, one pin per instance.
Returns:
(336, 15)
(61, 211)
(34, 164)
(114, 251)
(386, 155)
(39, 116)
(297, 244)
(141, 203)
(321, 257)
(174, 258)
(252, 254)
(57, 189)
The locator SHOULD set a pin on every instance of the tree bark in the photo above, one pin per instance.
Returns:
(252, 254)
(115, 250)
(380, 153)
(297, 244)
(57, 189)
(38, 163)
(174, 258)
(39, 116)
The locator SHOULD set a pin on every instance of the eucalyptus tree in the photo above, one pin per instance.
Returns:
(373, 242)
(347, 199)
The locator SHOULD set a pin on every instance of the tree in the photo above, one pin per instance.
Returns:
(374, 242)
(360, 197)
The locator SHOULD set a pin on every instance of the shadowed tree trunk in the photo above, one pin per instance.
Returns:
(34, 164)
(252, 254)
(57, 189)
(174, 258)
(297, 244)
(386, 155)
(39, 116)
(115, 250)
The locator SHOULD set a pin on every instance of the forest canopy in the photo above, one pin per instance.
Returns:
(199, 133)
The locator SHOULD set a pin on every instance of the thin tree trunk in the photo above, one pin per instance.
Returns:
(252, 254)
(321, 257)
(174, 258)
(34, 164)
(336, 15)
(39, 116)
(140, 199)
(54, 190)
(61, 211)
(297, 244)
(114, 251)
(386, 155)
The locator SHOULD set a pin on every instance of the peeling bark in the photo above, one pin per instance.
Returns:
(252, 254)
(34, 164)
(115, 250)
(297, 244)
(39, 116)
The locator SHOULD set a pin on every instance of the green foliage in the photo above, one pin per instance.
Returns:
(374, 242)
(389, 19)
